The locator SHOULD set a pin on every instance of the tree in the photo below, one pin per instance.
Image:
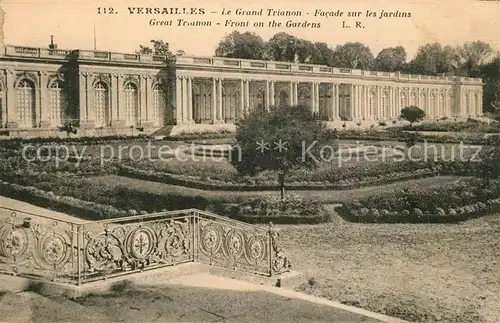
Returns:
(245, 45)
(304, 51)
(489, 166)
(159, 47)
(471, 56)
(281, 139)
(391, 59)
(282, 47)
(490, 73)
(353, 55)
(412, 114)
(322, 54)
(433, 59)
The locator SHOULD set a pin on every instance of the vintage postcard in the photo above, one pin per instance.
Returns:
(258, 161)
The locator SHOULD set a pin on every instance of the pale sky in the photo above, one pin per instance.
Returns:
(452, 22)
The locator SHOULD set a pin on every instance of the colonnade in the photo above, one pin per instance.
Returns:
(228, 99)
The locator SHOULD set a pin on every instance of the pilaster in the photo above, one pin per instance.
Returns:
(184, 100)
(113, 93)
(178, 99)
(90, 101)
(273, 99)
(143, 112)
(214, 100)
(190, 100)
(220, 116)
(337, 101)
(119, 116)
(12, 114)
(295, 93)
(268, 94)
(247, 97)
(241, 112)
(43, 105)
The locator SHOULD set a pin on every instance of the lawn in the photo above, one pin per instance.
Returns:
(421, 273)
(324, 196)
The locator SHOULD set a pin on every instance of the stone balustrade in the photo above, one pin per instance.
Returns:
(231, 63)
(23, 51)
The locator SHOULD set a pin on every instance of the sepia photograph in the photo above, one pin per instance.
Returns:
(227, 161)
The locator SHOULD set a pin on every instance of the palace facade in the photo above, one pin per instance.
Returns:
(105, 93)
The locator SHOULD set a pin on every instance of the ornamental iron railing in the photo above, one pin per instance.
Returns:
(49, 248)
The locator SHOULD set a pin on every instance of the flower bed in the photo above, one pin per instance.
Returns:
(110, 202)
(272, 185)
(222, 176)
(292, 210)
(468, 126)
(450, 204)
(402, 136)
(18, 142)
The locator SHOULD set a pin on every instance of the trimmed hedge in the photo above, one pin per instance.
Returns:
(175, 179)
(450, 204)
(292, 210)
(95, 210)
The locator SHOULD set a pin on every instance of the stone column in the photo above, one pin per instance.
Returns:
(368, 115)
(295, 93)
(354, 101)
(290, 99)
(360, 102)
(184, 100)
(313, 90)
(247, 97)
(273, 99)
(337, 101)
(12, 112)
(331, 104)
(431, 108)
(480, 103)
(220, 116)
(241, 112)
(470, 111)
(214, 100)
(178, 100)
(190, 100)
(267, 95)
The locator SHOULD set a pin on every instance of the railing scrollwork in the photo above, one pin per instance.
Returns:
(43, 247)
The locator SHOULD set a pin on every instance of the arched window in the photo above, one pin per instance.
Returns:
(158, 101)
(304, 97)
(283, 97)
(131, 104)
(101, 104)
(57, 103)
(26, 103)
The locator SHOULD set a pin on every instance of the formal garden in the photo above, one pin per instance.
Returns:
(372, 198)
